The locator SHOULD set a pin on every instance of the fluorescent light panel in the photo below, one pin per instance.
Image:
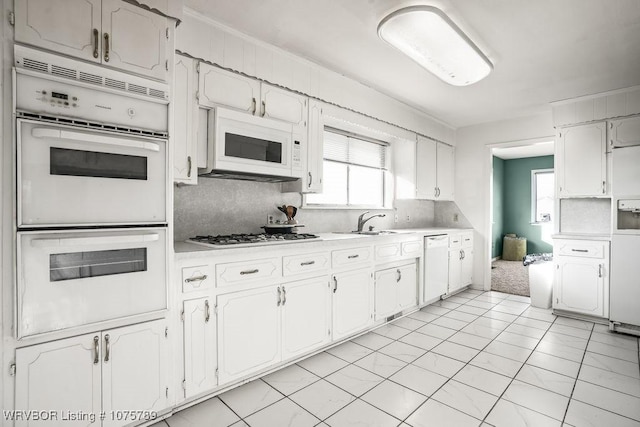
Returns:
(429, 37)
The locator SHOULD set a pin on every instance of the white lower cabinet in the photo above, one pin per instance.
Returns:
(248, 332)
(460, 261)
(112, 371)
(306, 316)
(395, 290)
(200, 356)
(352, 302)
(261, 327)
(581, 282)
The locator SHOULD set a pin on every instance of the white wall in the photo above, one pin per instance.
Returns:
(473, 166)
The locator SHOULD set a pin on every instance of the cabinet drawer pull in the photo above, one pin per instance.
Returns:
(353, 256)
(242, 273)
(107, 348)
(307, 263)
(96, 350)
(580, 250)
(196, 278)
(207, 311)
(96, 42)
(106, 47)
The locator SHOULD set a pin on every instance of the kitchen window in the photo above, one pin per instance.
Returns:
(355, 173)
(542, 195)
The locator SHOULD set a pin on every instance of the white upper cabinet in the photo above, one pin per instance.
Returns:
(445, 165)
(101, 31)
(404, 168)
(581, 160)
(624, 132)
(185, 121)
(280, 104)
(312, 182)
(221, 87)
(71, 27)
(434, 170)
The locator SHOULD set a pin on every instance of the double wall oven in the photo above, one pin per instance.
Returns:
(92, 188)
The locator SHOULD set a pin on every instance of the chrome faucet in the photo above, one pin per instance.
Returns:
(361, 221)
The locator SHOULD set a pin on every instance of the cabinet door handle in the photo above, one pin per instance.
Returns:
(399, 275)
(279, 297)
(599, 270)
(107, 348)
(310, 180)
(188, 166)
(96, 42)
(106, 47)
(253, 106)
(96, 350)
(284, 296)
(463, 254)
(335, 284)
(264, 109)
(307, 263)
(435, 191)
(242, 273)
(196, 278)
(207, 311)
(580, 250)
(353, 256)
(604, 187)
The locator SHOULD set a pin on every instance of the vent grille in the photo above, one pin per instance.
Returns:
(137, 89)
(90, 78)
(63, 72)
(93, 125)
(36, 65)
(94, 79)
(115, 84)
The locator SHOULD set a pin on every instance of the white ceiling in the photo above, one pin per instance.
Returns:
(542, 50)
(537, 149)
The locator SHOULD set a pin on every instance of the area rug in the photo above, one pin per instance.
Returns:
(510, 277)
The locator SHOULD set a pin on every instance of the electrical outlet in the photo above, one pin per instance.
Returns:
(269, 219)
(408, 218)
(395, 218)
(455, 217)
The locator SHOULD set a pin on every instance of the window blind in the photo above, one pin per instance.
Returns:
(347, 149)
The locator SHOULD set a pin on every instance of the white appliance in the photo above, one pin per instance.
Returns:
(74, 278)
(436, 266)
(624, 314)
(92, 189)
(242, 146)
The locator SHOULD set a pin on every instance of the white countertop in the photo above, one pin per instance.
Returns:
(184, 250)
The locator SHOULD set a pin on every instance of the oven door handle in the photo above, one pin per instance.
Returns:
(92, 241)
(93, 137)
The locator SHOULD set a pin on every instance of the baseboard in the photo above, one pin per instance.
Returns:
(496, 258)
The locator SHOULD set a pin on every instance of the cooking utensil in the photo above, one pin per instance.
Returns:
(280, 228)
(289, 211)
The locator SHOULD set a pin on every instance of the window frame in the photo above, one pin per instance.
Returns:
(534, 194)
(387, 179)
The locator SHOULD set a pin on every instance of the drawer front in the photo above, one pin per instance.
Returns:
(197, 278)
(301, 264)
(235, 273)
(455, 241)
(581, 248)
(467, 239)
(347, 257)
(388, 251)
(412, 249)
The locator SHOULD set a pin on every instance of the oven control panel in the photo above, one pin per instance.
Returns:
(58, 98)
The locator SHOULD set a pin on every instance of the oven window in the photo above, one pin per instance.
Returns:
(80, 265)
(95, 164)
(246, 147)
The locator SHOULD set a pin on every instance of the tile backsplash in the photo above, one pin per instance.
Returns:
(221, 206)
(586, 216)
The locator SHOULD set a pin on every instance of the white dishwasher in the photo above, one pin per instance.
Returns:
(436, 266)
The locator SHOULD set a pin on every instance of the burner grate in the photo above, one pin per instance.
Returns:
(233, 239)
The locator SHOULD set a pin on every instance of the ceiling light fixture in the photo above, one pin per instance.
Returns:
(429, 37)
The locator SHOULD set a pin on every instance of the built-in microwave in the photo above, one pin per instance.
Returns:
(242, 146)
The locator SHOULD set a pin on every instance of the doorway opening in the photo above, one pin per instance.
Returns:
(521, 210)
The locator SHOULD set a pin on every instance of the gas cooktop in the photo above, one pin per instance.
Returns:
(249, 239)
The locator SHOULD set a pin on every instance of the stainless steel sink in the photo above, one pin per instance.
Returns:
(367, 233)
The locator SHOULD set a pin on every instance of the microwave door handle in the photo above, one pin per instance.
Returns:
(91, 241)
(95, 138)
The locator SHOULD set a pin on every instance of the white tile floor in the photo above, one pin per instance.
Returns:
(479, 358)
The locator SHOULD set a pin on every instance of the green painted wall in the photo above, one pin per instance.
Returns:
(517, 201)
(498, 207)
